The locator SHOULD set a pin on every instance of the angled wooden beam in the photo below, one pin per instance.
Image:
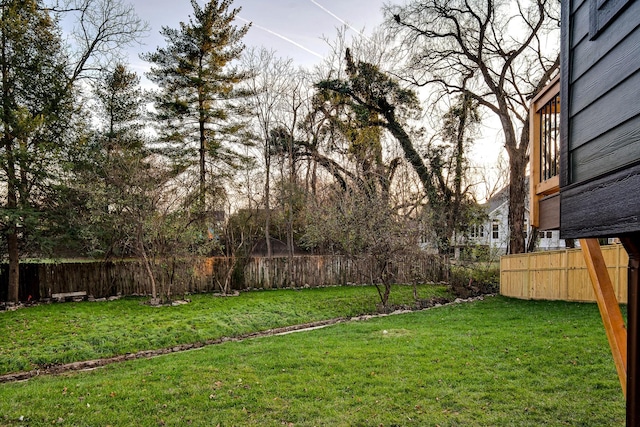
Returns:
(608, 306)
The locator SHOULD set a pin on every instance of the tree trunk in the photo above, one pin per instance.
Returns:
(267, 202)
(203, 152)
(226, 287)
(518, 188)
(517, 198)
(424, 174)
(14, 265)
(12, 183)
(292, 194)
(147, 264)
(532, 242)
(12, 232)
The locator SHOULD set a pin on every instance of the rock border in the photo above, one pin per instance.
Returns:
(148, 354)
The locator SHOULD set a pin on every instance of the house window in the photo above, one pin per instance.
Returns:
(541, 234)
(495, 229)
(476, 231)
(549, 137)
(549, 234)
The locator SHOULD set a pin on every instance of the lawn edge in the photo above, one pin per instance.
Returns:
(87, 365)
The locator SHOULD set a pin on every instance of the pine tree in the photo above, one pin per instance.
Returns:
(120, 108)
(196, 82)
(112, 167)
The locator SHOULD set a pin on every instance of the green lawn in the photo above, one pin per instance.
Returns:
(71, 332)
(497, 362)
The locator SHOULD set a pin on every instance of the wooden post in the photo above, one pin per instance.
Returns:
(631, 244)
(608, 305)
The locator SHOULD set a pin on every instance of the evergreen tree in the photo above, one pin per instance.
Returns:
(120, 108)
(196, 82)
(130, 195)
(35, 104)
(122, 187)
(112, 168)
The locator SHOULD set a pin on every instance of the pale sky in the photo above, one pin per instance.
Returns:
(293, 28)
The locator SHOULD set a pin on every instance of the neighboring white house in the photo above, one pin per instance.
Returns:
(491, 237)
(493, 234)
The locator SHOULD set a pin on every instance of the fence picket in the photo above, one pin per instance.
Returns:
(560, 275)
(128, 277)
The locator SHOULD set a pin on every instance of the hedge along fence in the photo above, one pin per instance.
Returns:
(560, 275)
(129, 277)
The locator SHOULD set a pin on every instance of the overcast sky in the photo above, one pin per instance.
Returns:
(293, 28)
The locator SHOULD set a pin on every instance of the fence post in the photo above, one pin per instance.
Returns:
(529, 277)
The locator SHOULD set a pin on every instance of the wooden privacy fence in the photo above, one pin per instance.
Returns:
(129, 277)
(560, 275)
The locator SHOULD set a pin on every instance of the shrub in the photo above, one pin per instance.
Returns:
(474, 280)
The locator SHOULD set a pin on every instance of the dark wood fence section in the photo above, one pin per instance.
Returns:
(129, 277)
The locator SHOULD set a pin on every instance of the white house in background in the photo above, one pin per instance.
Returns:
(493, 233)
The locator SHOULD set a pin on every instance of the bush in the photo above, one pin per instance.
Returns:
(471, 281)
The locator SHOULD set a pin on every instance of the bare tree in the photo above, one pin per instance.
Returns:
(101, 30)
(489, 179)
(494, 51)
(297, 103)
(268, 86)
(364, 228)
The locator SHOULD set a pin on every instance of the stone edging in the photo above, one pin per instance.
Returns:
(147, 354)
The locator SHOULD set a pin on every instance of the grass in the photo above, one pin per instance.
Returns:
(71, 332)
(497, 362)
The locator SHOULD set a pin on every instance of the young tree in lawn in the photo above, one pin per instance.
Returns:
(496, 53)
(196, 81)
(365, 228)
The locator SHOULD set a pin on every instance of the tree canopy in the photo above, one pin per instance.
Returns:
(494, 52)
(231, 147)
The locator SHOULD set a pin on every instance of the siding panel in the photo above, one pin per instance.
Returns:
(617, 148)
(608, 206)
(600, 119)
(616, 107)
(580, 31)
(616, 66)
(587, 53)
